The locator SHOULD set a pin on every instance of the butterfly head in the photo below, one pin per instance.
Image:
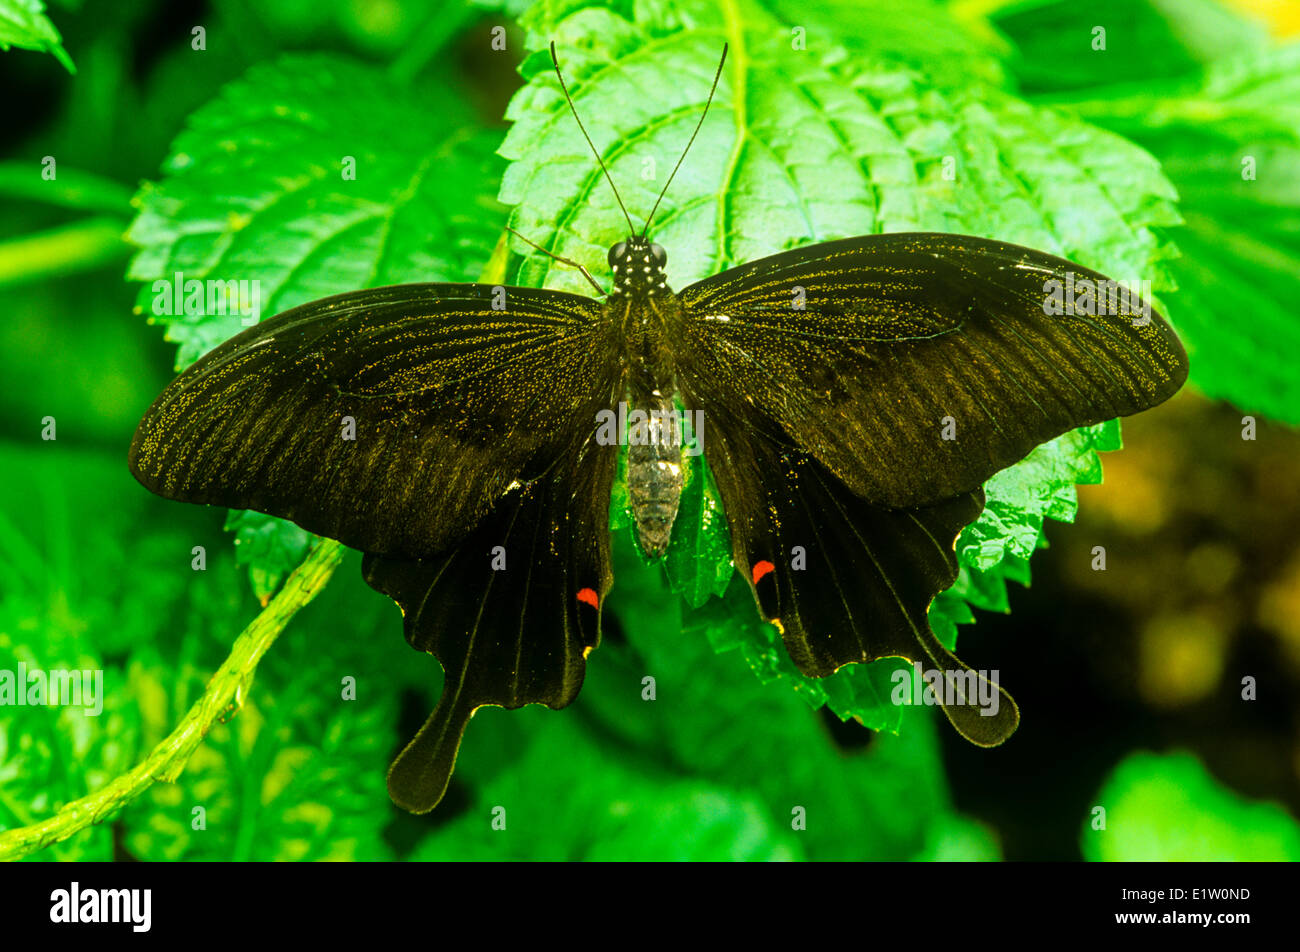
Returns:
(638, 265)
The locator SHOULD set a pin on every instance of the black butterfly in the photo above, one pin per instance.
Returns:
(826, 375)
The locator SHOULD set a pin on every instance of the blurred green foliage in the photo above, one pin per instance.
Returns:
(1169, 808)
(23, 23)
(996, 119)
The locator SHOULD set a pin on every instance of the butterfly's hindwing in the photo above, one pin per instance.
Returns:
(510, 612)
(845, 581)
(915, 366)
(390, 419)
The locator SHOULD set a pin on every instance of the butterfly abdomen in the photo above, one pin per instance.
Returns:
(654, 470)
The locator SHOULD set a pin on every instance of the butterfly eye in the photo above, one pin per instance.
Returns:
(660, 255)
(617, 253)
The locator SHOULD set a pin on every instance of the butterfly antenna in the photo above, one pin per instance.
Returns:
(630, 230)
(708, 102)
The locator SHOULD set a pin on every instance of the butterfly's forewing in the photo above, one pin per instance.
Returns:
(859, 393)
(861, 351)
(446, 431)
(511, 612)
(390, 419)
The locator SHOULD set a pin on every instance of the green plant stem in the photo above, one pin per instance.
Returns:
(224, 691)
(63, 250)
(71, 188)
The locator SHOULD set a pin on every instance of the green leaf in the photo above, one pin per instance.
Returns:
(1145, 41)
(698, 562)
(23, 23)
(1038, 487)
(723, 207)
(803, 146)
(1167, 808)
(258, 189)
(566, 799)
(270, 547)
(942, 43)
(1232, 148)
(799, 147)
(1040, 177)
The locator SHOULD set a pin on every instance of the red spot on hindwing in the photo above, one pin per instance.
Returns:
(762, 568)
(589, 596)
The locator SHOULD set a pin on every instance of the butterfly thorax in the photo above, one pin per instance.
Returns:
(638, 268)
(643, 306)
